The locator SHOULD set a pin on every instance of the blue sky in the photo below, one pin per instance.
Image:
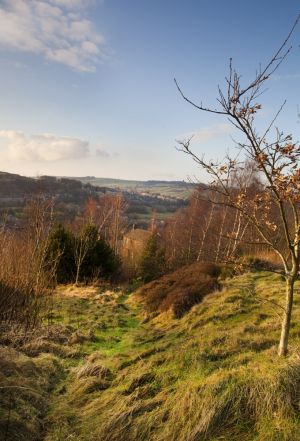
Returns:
(87, 86)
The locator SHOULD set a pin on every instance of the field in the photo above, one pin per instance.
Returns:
(166, 189)
(108, 371)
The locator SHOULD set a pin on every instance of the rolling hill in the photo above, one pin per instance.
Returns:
(164, 189)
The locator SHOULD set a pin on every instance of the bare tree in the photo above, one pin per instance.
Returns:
(26, 278)
(81, 249)
(107, 213)
(273, 211)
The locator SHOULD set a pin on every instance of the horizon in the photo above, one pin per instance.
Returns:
(87, 86)
(102, 177)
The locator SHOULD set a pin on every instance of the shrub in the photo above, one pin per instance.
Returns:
(180, 290)
(184, 297)
(100, 259)
(255, 263)
(227, 272)
(25, 282)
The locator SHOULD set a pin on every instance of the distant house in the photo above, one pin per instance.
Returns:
(133, 245)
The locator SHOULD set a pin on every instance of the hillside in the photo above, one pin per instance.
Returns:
(13, 186)
(16, 190)
(114, 374)
(163, 189)
(72, 193)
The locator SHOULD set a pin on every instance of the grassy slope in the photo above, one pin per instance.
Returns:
(211, 375)
(32, 376)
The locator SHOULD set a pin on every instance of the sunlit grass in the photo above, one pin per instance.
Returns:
(214, 374)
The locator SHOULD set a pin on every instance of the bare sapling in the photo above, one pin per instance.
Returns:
(272, 211)
(26, 282)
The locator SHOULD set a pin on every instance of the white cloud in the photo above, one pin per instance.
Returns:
(44, 147)
(102, 153)
(208, 133)
(72, 4)
(54, 29)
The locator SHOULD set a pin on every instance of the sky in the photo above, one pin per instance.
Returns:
(87, 86)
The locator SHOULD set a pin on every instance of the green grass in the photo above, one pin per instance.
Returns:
(211, 375)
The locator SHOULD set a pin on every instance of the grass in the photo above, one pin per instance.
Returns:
(210, 375)
(25, 384)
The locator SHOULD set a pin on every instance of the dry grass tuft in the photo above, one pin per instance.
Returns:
(24, 389)
(139, 381)
(94, 370)
(40, 346)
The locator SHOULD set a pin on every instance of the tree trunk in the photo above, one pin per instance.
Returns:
(77, 276)
(286, 321)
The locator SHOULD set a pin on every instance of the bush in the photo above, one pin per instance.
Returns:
(180, 290)
(184, 297)
(25, 285)
(227, 272)
(100, 259)
(255, 263)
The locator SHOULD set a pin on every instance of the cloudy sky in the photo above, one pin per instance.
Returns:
(87, 85)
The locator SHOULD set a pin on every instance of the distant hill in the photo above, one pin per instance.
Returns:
(166, 189)
(143, 198)
(17, 186)
(69, 194)
(147, 198)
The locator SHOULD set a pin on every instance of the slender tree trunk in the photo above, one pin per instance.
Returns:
(77, 274)
(205, 231)
(190, 241)
(221, 235)
(286, 321)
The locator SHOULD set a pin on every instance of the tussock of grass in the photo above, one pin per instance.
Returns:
(38, 347)
(80, 389)
(236, 404)
(94, 370)
(24, 393)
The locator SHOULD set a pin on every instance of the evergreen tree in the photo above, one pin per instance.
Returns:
(60, 253)
(82, 257)
(99, 259)
(152, 262)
